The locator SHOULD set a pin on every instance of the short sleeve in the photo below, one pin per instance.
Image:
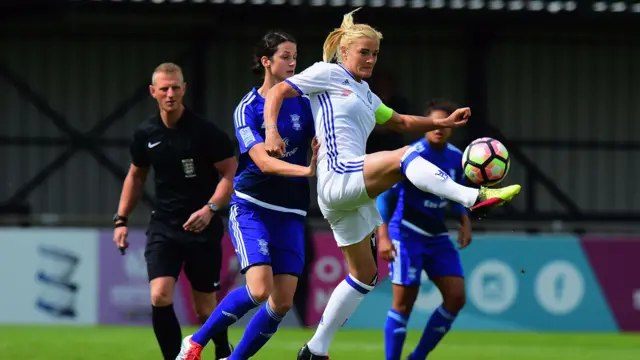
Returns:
(313, 79)
(220, 144)
(375, 100)
(246, 125)
(138, 150)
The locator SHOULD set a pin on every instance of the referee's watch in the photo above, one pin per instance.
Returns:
(213, 207)
(119, 220)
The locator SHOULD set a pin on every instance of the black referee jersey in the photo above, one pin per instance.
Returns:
(183, 160)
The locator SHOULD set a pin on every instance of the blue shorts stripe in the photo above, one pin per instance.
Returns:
(263, 236)
(242, 252)
(435, 256)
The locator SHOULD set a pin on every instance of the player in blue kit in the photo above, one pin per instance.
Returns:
(414, 237)
(268, 208)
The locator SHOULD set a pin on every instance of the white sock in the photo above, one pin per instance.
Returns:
(343, 302)
(430, 178)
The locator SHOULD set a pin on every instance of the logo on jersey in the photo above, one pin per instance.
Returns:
(346, 92)
(189, 168)
(289, 152)
(443, 203)
(151, 146)
(247, 136)
(295, 122)
(369, 97)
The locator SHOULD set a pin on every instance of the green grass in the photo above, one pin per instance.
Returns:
(111, 343)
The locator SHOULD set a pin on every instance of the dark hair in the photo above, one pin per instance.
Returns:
(442, 105)
(267, 46)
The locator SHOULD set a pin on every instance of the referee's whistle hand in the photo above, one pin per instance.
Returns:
(120, 237)
(198, 221)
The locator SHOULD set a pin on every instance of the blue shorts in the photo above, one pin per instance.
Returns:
(437, 256)
(267, 237)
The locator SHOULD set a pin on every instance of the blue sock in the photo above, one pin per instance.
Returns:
(260, 329)
(395, 332)
(234, 306)
(437, 327)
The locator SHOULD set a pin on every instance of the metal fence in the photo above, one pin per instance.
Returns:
(559, 92)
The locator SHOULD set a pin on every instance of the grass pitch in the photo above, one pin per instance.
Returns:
(136, 343)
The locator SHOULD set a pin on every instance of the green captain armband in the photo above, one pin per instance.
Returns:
(383, 114)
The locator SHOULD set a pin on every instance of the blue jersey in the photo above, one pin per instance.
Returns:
(296, 127)
(418, 212)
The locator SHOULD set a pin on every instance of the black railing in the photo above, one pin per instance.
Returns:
(479, 41)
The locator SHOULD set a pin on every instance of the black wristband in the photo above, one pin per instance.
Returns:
(117, 218)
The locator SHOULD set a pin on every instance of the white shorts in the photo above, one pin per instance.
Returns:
(344, 202)
(352, 226)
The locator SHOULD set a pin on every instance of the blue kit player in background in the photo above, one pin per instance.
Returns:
(414, 237)
(268, 208)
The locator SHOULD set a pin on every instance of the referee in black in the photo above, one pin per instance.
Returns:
(194, 166)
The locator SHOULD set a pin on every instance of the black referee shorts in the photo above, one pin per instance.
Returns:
(168, 250)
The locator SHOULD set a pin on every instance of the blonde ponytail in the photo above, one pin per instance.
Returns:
(344, 35)
(332, 43)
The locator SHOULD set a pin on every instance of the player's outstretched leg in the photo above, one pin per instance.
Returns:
(429, 178)
(362, 278)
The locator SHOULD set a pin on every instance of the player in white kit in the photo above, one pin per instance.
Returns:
(345, 112)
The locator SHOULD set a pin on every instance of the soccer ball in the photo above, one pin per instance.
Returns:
(485, 161)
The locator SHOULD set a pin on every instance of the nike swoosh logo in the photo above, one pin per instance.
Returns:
(441, 329)
(230, 315)
(151, 146)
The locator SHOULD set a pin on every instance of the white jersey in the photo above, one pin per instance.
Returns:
(344, 114)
